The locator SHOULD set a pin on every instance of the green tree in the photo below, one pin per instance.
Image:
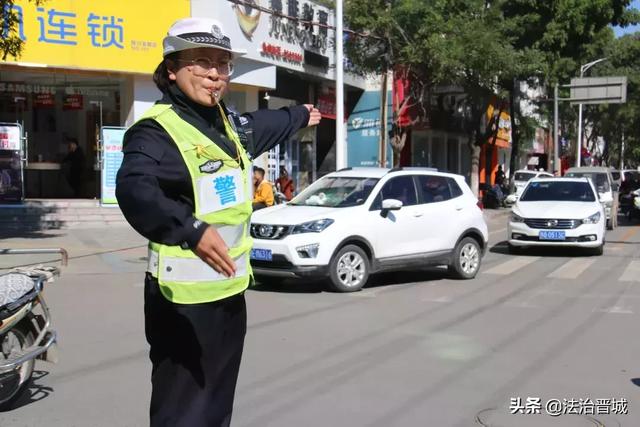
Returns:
(10, 43)
(616, 123)
(485, 46)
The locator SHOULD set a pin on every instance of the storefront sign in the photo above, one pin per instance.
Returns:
(44, 100)
(96, 35)
(73, 102)
(112, 138)
(363, 131)
(275, 31)
(503, 138)
(10, 137)
(279, 52)
(25, 88)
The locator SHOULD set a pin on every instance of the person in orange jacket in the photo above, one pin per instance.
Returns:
(263, 197)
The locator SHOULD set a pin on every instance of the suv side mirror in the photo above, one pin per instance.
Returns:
(390, 205)
(615, 187)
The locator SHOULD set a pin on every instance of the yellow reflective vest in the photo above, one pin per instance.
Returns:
(222, 191)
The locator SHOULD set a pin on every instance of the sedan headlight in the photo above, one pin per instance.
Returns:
(312, 226)
(593, 219)
(516, 218)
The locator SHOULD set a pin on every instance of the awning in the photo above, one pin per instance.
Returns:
(253, 73)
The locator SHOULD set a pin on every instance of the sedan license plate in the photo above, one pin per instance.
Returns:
(551, 235)
(261, 254)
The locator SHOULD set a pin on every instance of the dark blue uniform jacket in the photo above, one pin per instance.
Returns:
(153, 186)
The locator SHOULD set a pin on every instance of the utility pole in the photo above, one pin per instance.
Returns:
(383, 120)
(556, 142)
(583, 69)
(341, 143)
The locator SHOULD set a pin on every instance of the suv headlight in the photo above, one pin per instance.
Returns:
(593, 219)
(312, 226)
(516, 218)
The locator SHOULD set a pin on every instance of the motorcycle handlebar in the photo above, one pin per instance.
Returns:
(63, 252)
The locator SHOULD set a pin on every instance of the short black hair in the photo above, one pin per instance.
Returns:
(161, 75)
(258, 169)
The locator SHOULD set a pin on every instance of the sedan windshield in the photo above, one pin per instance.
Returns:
(524, 176)
(567, 191)
(599, 179)
(336, 192)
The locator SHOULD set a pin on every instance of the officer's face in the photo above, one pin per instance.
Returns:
(203, 86)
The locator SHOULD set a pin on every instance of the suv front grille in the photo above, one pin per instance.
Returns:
(269, 232)
(552, 224)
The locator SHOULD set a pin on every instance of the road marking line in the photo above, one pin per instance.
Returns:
(616, 309)
(572, 269)
(631, 273)
(512, 265)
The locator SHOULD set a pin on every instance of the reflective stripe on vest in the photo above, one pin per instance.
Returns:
(231, 234)
(222, 198)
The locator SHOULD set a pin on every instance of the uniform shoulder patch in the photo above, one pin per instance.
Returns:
(211, 166)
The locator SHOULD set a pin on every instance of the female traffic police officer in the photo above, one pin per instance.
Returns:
(185, 184)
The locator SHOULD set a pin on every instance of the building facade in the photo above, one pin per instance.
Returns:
(87, 67)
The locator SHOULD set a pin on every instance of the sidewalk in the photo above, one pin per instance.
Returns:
(79, 243)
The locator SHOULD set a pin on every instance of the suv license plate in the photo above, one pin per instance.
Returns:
(261, 254)
(551, 235)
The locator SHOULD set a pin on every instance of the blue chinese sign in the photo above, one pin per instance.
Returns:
(94, 34)
(363, 132)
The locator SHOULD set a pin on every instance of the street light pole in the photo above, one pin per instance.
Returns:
(341, 144)
(556, 142)
(583, 69)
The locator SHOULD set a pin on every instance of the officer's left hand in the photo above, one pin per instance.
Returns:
(314, 115)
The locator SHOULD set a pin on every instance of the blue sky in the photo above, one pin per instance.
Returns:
(621, 31)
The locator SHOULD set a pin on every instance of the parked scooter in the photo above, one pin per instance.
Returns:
(25, 324)
(633, 212)
(494, 197)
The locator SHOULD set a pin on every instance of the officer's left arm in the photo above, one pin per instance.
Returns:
(272, 127)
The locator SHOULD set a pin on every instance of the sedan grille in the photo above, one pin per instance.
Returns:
(552, 224)
(269, 232)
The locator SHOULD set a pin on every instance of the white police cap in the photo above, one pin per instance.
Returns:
(192, 33)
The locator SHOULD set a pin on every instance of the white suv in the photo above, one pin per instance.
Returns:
(358, 221)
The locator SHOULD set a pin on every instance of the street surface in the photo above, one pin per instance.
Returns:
(412, 349)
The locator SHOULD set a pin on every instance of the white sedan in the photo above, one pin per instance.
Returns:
(558, 212)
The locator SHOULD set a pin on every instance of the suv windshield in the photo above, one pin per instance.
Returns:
(336, 192)
(599, 179)
(524, 176)
(567, 191)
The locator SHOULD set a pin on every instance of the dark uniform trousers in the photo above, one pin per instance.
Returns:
(195, 352)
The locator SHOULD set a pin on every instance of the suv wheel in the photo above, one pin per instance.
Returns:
(466, 259)
(349, 269)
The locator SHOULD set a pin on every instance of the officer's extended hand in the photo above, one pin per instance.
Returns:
(213, 250)
(314, 115)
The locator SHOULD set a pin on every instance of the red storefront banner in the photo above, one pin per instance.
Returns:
(73, 102)
(44, 100)
(327, 105)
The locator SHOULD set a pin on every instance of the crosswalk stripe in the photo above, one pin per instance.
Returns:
(632, 272)
(572, 269)
(512, 265)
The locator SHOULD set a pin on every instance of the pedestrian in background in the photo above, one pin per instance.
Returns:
(185, 184)
(263, 196)
(285, 184)
(73, 165)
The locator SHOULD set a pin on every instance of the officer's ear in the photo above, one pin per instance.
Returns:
(171, 63)
(171, 68)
